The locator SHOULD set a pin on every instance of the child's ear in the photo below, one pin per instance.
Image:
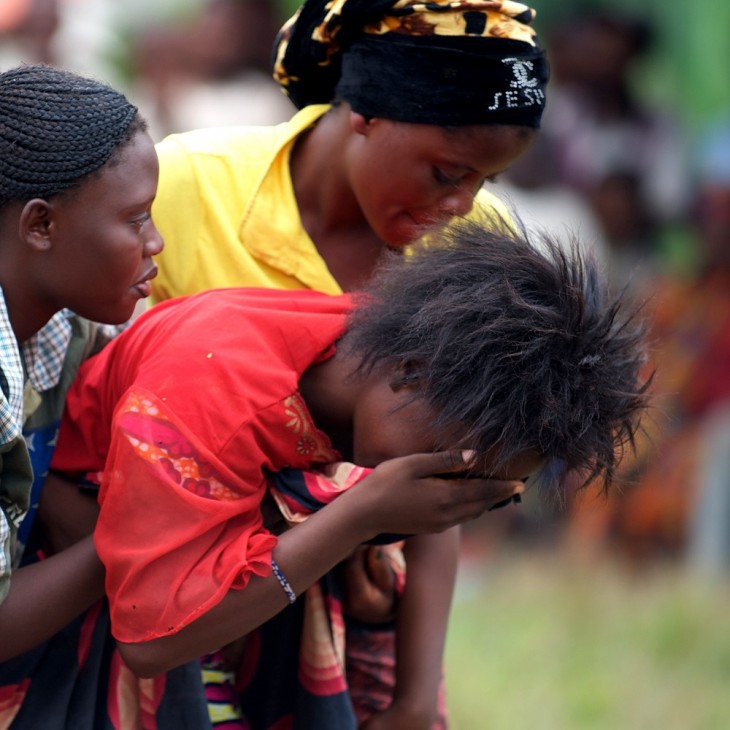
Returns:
(405, 376)
(35, 224)
(396, 384)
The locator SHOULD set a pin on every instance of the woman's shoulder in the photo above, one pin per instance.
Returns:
(236, 141)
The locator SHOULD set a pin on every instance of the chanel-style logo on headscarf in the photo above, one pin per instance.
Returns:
(522, 70)
(525, 90)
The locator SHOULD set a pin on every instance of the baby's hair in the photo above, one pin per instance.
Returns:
(57, 127)
(517, 345)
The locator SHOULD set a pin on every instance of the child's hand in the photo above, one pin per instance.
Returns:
(369, 586)
(396, 718)
(403, 496)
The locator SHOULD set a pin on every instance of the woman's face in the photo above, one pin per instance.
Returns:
(103, 238)
(412, 178)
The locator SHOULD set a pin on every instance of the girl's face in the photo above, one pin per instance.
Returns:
(102, 238)
(412, 178)
(386, 426)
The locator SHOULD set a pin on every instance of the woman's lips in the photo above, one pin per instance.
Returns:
(143, 287)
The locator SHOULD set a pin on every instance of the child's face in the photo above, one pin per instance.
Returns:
(384, 428)
(103, 238)
(412, 178)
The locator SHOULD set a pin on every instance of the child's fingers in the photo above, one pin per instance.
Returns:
(488, 491)
(440, 462)
(369, 588)
(452, 465)
(379, 570)
(424, 493)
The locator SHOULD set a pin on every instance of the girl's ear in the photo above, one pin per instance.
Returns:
(34, 226)
(406, 376)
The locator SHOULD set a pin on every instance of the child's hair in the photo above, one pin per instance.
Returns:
(56, 127)
(515, 344)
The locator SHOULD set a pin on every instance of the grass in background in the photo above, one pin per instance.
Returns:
(550, 642)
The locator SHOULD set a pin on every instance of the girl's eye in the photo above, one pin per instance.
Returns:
(139, 222)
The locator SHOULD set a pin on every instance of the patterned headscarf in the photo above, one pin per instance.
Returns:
(445, 62)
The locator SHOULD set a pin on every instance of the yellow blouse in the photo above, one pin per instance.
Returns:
(226, 209)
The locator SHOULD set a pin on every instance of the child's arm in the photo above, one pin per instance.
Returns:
(421, 623)
(398, 497)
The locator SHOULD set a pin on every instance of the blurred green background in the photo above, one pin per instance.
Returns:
(688, 67)
(549, 640)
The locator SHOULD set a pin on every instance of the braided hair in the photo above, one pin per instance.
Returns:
(56, 127)
(516, 345)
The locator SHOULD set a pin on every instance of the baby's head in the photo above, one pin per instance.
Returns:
(515, 346)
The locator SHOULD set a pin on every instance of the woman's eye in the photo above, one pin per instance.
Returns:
(443, 179)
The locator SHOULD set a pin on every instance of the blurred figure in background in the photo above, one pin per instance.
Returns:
(213, 69)
(543, 202)
(27, 29)
(610, 143)
(676, 493)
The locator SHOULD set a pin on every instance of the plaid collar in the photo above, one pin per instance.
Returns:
(41, 357)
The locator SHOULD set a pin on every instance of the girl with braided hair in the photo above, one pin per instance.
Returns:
(78, 173)
(485, 358)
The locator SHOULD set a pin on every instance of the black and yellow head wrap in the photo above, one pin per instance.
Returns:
(446, 62)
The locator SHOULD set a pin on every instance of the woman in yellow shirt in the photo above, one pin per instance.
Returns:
(405, 109)
(428, 104)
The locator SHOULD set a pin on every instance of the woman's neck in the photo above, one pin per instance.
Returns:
(324, 197)
(27, 312)
(328, 208)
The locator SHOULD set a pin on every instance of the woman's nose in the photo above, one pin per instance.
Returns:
(458, 202)
(154, 243)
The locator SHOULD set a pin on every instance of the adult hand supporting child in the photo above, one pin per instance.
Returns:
(66, 515)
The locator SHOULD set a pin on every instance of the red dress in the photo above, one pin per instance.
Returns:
(181, 415)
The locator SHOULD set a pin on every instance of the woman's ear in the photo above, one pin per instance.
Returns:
(361, 124)
(34, 226)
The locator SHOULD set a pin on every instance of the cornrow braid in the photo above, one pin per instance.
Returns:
(56, 127)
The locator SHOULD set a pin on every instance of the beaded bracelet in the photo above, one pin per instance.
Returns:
(283, 581)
